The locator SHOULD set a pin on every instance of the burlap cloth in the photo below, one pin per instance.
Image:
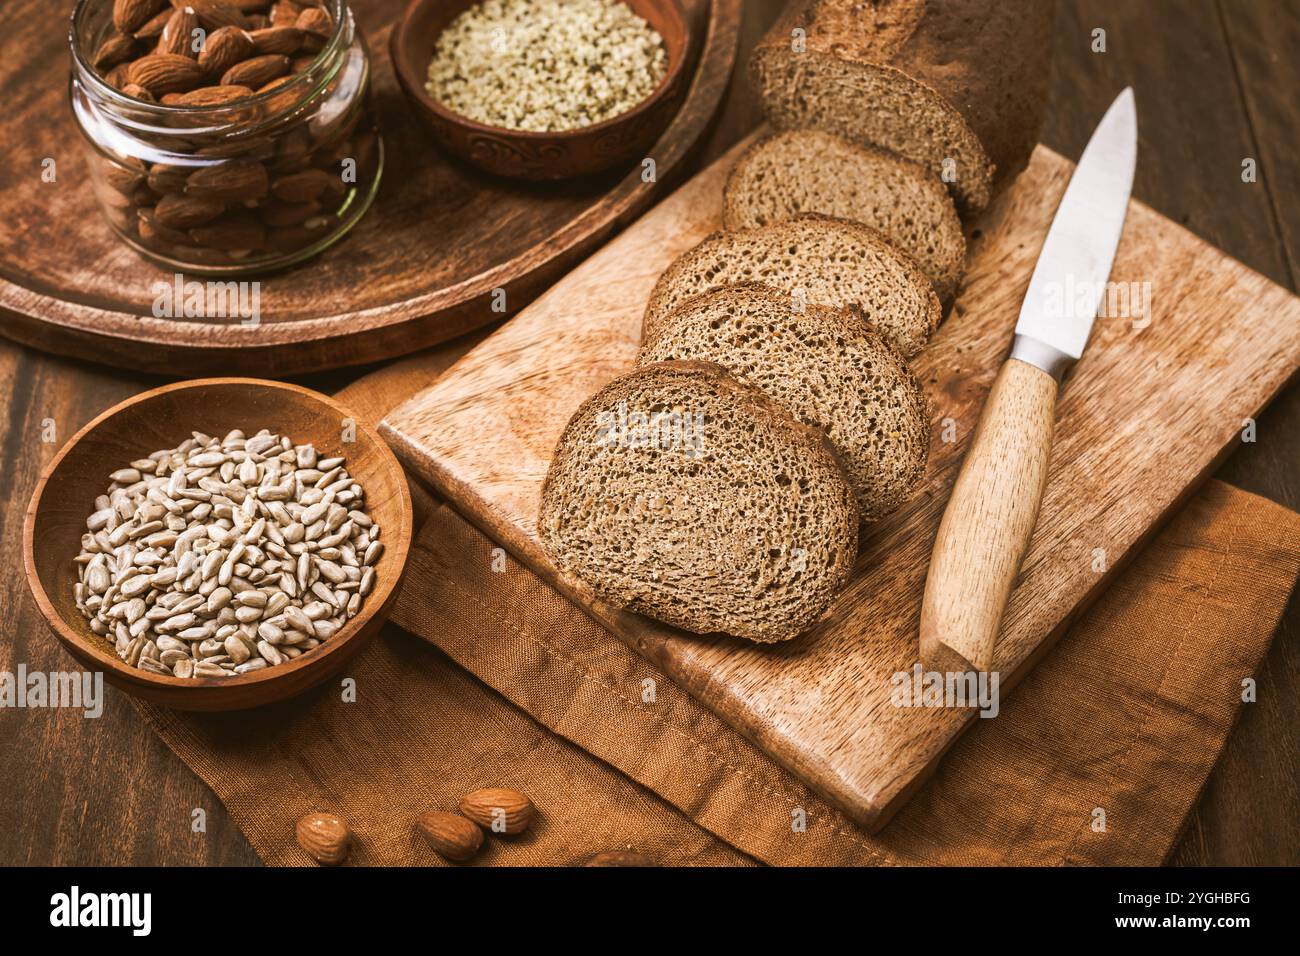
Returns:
(513, 686)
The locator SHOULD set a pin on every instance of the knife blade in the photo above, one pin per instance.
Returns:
(1070, 277)
(991, 514)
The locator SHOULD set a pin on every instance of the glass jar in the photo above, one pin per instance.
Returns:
(252, 185)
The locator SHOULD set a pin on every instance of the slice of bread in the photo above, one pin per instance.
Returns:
(815, 260)
(956, 82)
(680, 493)
(827, 366)
(808, 171)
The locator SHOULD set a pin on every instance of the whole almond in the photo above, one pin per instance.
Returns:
(256, 72)
(499, 809)
(151, 231)
(259, 149)
(131, 15)
(165, 179)
(144, 196)
(284, 40)
(208, 96)
(317, 27)
(214, 14)
(302, 186)
(161, 73)
(619, 858)
(116, 77)
(285, 13)
(235, 181)
(286, 100)
(125, 177)
(116, 48)
(153, 29)
(139, 93)
(230, 234)
(451, 835)
(325, 837)
(186, 212)
(223, 49)
(293, 149)
(317, 21)
(178, 35)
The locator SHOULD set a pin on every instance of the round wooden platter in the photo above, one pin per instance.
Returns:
(423, 266)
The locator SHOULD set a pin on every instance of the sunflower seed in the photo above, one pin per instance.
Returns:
(269, 653)
(241, 551)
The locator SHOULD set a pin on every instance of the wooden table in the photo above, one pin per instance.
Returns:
(1215, 82)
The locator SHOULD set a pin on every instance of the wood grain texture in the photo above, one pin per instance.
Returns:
(62, 799)
(1146, 414)
(103, 792)
(1222, 75)
(422, 266)
(988, 522)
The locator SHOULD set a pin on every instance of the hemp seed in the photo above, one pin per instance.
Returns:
(546, 65)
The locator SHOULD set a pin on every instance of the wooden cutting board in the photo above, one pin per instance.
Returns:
(421, 267)
(1146, 414)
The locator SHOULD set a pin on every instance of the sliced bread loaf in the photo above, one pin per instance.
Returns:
(809, 171)
(816, 261)
(827, 366)
(680, 493)
(963, 81)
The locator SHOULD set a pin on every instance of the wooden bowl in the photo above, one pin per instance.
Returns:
(520, 154)
(163, 418)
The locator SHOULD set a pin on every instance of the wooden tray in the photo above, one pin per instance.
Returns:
(419, 269)
(1144, 416)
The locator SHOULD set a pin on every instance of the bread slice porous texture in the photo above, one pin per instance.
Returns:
(680, 493)
(815, 260)
(827, 367)
(809, 171)
(958, 86)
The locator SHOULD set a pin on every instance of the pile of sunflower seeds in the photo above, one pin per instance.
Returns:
(546, 65)
(225, 556)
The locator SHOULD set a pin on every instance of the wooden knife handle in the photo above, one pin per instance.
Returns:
(986, 527)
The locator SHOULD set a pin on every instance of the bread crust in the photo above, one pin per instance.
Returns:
(874, 500)
(984, 63)
(945, 274)
(661, 297)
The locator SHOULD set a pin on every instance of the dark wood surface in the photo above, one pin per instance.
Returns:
(423, 266)
(1216, 84)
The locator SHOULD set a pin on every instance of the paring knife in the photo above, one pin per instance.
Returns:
(994, 505)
